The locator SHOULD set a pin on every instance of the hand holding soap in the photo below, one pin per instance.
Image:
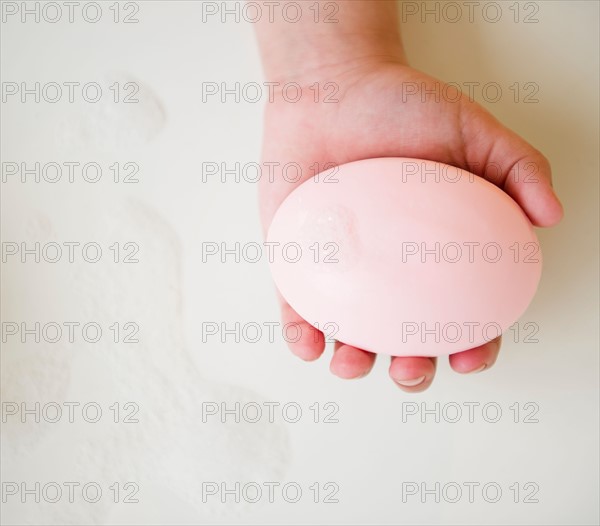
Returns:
(405, 257)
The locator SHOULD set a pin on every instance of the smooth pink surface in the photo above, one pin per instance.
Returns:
(400, 256)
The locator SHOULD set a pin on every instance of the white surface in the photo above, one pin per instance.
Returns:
(370, 452)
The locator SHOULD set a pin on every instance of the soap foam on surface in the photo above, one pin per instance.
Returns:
(170, 448)
(108, 126)
(334, 229)
(28, 373)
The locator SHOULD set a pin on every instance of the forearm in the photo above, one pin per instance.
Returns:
(359, 31)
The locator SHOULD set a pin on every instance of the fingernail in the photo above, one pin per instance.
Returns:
(411, 383)
(479, 369)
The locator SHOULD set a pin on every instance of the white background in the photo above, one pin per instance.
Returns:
(375, 446)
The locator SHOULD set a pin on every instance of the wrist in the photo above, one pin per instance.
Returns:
(306, 52)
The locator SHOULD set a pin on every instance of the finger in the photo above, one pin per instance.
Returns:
(507, 160)
(412, 373)
(349, 362)
(477, 359)
(304, 340)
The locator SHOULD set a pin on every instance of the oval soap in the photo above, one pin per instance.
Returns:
(405, 257)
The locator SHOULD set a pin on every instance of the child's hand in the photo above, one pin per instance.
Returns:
(377, 117)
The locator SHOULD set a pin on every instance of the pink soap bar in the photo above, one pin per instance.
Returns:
(404, 257)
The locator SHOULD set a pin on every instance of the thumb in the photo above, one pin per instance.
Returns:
(502, 157)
